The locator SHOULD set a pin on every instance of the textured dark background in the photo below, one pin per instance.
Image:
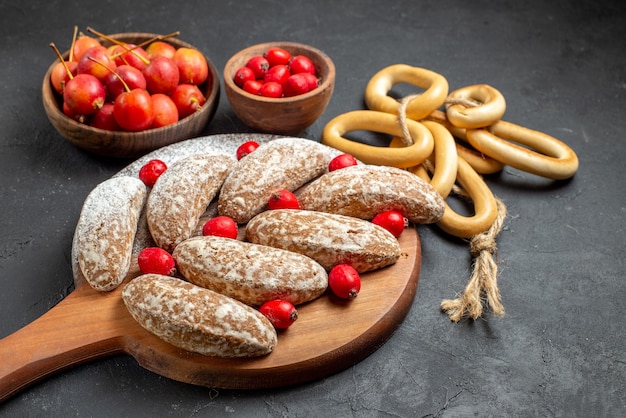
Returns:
(561, 65)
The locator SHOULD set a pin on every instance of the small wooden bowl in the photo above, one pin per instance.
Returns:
(122, 144)
(286, 115)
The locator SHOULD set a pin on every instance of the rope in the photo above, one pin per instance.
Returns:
(483, 282)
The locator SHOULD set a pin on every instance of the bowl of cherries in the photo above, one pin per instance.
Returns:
(279, 87)
(126, 94)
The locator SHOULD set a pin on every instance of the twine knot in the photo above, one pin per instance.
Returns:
(482, 243)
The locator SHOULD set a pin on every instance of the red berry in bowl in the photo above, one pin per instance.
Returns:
(155, 260)
(259, 65)
(271, 89)
(302, 64)
(150, 171)
(295, 85)
(277, 73)
(281, 313)
(277, 56)
(253, 86)
(242, 75)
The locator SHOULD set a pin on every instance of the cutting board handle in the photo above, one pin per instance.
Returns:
(83, 326)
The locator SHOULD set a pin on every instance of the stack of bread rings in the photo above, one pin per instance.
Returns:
(425, 140)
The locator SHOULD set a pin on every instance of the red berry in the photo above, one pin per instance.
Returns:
(277, 56)
(271, 89)
(246, 148)
(156, 260)
(150, 171)
(393, 221)
(283, 199)
(278, 73)
(344, 281)
(259, 65)
(311, 79)
(302, 64)
(242, 75)
(221, 226)
(341, 161)
(253, 86)
(281, 313)
(295, 85)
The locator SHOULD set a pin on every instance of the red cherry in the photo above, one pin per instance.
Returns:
(162, 75)
(160, 48)
(104, 118)
(283, 199)
(130, 54)
(281, 313)
(134, 111)
(154, 260)
(393, 221)
(150, 172)
(344, 281)
(192, 66)
(59, 75)
(221, 226)
(246, 148)
(84, 94)
(133, 78)
(188, 99)
(165, 111)
(96, 61)
(81, 44)
(341, 161)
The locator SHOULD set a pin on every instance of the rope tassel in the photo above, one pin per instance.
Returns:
(483, 282)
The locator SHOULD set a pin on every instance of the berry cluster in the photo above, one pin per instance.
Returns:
(129, 87)
(276, 73)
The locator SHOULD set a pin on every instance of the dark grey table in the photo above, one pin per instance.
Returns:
(559, 350)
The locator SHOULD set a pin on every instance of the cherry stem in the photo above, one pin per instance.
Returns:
(112, 71)
(144, 43)
(56, 51)
(158, 38)
(71, 57)
(120, 43)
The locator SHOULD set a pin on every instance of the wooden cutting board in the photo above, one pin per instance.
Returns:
(330, 334)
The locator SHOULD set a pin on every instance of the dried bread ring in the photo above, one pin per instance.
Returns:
(444, 158)
(434, 96)
(371, 120)
(485, 206)
(490, 106)
(479, 161)
(555, 160)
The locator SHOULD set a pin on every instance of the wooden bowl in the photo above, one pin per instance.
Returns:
(286, 115)
(122, 144)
